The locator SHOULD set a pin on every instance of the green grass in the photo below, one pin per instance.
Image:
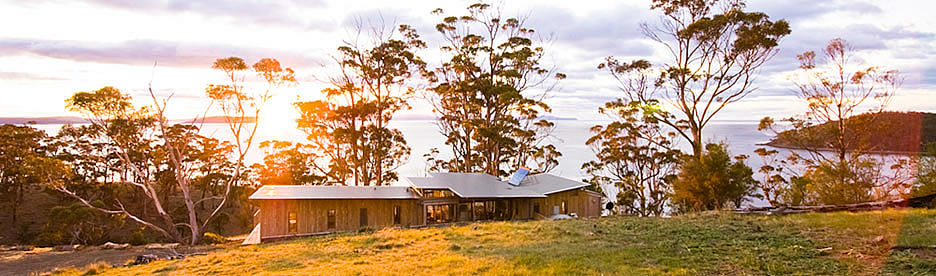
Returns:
(702, 244)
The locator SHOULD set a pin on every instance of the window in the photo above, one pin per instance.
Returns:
(437, 194)
(479, 213)
(536, 207)
(293, 222)
(331, 219)
(396, 214)
(440, 213)
(363, 217)
(563, 209)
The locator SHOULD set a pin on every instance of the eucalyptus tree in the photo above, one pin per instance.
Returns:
(349, 129)
(845, 103)
(636, 155)
(714, 51)
(163, 159)
(488, 94)
(25, 161)
(242, 108)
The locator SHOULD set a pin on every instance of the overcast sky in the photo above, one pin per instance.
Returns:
(50, 49)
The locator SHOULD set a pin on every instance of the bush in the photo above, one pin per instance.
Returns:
(138, 238)
(212, 238)
(49, 238)
(834, 182)
(713, 181)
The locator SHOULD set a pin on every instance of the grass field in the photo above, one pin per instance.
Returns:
(702, 244)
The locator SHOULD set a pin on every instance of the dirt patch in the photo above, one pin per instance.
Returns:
(44, 260)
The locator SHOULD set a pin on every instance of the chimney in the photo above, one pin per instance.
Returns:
(518, 176)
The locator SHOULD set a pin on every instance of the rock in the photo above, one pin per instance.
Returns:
(119, 246)
(67, 247)
(24, 248)
(144, 259)
(879, 239)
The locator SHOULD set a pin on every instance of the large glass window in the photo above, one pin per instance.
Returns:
(479, 211)
(331, 219)
(293, 222)
(440, 213)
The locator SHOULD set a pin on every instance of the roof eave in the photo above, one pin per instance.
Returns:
(566, 189)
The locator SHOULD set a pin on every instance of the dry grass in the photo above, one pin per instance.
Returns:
(710, 243)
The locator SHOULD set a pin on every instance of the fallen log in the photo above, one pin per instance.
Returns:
(785, 210)
(927, 201)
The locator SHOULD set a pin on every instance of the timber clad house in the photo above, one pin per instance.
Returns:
(440, 198)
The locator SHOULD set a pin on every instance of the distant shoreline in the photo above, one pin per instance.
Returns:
(879, 152)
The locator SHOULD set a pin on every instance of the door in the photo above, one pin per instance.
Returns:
(363, 217)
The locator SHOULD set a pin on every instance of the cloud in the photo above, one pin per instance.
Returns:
(281, 13)
(145, 52)
(798, 11)
(20, 76)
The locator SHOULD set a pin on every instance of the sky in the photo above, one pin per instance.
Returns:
(50, 49)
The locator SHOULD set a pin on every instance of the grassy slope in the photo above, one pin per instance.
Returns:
(700, 244)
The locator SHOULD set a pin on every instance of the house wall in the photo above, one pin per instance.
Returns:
(581, 202)
(312, 215)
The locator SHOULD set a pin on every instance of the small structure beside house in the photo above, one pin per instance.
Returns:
(438, 199)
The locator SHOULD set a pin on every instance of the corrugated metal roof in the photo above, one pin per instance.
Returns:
(333, 192)
(472, 185)
(545, 183)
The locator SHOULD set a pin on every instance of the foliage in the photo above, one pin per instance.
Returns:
(286, 163)
(926, 172)
(25, 162)
(713, 182)
(78, 224)
(635, 155)
(348, 130)
(715, 56)
(704, 244)
(481, 95)
(212, 238)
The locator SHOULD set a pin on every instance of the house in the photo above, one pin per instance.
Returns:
(438, 199)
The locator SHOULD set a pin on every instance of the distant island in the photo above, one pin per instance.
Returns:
(556, 118)
(897, 132)
(59, 120)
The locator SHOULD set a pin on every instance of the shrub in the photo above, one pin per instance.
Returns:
(138, 238)
(712, 181)
(834, 182)
(212, 238)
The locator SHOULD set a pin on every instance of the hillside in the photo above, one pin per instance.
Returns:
(893, 132)
(703, 244)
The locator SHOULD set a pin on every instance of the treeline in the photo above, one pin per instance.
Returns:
(131, 175)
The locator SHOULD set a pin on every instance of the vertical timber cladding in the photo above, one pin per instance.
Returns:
(312, 214)
(581, 202)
